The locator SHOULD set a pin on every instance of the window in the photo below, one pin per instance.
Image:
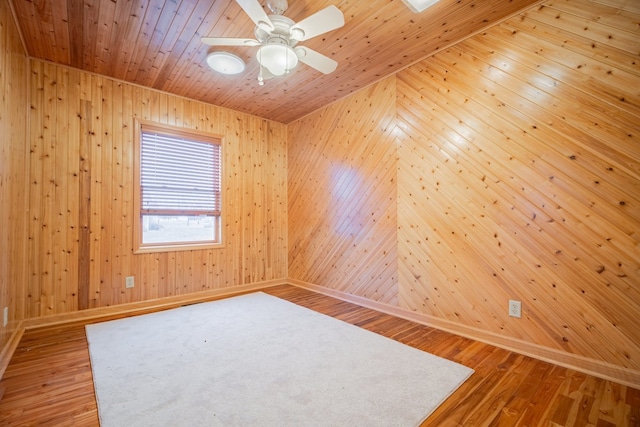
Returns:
(177, 195)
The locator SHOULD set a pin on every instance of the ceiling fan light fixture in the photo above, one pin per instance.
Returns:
(418, 6)
(278, 35)
(278, 58)
(225, 63)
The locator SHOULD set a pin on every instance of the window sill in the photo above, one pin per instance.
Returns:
(176, 248)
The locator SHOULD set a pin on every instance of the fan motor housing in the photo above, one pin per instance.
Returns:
(281, 33)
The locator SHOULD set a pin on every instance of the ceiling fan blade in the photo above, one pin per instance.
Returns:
(320, 22)
(225, 41)
(256, 13)
(316, 60)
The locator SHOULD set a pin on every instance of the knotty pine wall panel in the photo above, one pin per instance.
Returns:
(13, 181)
(342, 195)
(519, 178)
(81, 195)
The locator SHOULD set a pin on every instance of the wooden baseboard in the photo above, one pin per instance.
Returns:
(588, 366)
(10, 348)
(597, 368)
(132, 309)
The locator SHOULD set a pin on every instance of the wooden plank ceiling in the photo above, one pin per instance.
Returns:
(157, 44)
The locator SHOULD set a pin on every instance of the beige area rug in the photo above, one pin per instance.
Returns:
(257, 360)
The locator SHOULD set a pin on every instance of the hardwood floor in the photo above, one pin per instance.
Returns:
(48, 382)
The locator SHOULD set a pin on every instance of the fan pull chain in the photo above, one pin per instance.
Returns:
(286, 58)
(260, 78)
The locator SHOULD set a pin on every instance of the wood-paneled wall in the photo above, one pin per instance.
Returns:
(81, 195)
(518, 177)
(13, 182)
(506, 167)
(342, 195)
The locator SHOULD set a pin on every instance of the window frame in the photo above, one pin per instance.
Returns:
(141, 125)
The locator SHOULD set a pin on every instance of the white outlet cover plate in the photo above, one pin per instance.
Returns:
(515, 308)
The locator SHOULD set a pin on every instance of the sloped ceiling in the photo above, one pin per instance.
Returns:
(157, 44)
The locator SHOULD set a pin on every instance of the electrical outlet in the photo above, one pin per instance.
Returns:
(128, 282)
(5, 317)
(515, 309)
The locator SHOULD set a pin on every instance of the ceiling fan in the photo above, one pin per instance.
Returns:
(278, 37)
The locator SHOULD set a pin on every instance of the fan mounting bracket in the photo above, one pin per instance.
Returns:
(278, 6)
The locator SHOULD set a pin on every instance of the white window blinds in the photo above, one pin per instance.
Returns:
(179, 174)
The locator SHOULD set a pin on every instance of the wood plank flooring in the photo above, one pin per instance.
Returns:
(49, 383)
